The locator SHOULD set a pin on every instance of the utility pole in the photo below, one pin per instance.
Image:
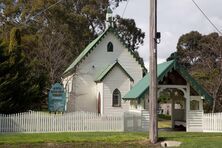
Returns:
(153, 126)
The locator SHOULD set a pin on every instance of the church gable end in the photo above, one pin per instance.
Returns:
(110, 48)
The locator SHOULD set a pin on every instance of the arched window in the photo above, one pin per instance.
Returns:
(110, 47)
(116, 98)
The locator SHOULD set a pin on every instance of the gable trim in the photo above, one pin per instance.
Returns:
(93, 45)
(104, 73)
(163, 70)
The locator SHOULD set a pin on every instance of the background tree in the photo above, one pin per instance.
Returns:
(128, 31)
(19, 88)
(55, 32)
(79, 22)
(202, 56)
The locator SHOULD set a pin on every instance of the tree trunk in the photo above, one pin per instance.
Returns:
(214, 102)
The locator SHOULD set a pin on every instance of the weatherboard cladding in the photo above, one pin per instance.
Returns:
(103, 74)
(84, 86)
(92, 45)
(163, 69)
(115, 79)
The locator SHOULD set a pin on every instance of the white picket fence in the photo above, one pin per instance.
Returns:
(136, 121)
(44, 122)
(40, 122)
(212, 122)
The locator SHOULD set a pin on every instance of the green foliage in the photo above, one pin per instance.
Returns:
(164, 96)
(20, 89)
(165, 117)
(128, 31)
(173, 56)
(187, 48)
(15, 40)
(52, 38)
(202, 56)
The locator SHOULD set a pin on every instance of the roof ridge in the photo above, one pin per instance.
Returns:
(141, 87)
(92, 44)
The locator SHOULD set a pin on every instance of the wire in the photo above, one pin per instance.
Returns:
(44, 10)
(125, 7)
(207, 17)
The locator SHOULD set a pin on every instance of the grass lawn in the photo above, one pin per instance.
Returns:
(108, 139)
(164, 121)
(164, 124)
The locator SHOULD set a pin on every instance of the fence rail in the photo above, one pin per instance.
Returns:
(40, 122)
(44, 122)
(212, 122)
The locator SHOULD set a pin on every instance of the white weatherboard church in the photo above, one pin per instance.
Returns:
(107, 78)
(102, 74)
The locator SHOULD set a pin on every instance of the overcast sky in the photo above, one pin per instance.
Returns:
(175, 17)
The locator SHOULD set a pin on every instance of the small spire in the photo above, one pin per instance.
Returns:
(109, 17)
(109, 10)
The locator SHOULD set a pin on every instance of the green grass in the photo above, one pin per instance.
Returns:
(112, 137)
(164, 124)
(195, 140)
(164, 121)
(189, 140)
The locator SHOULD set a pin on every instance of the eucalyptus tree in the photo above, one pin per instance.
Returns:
(202, 56)
(54, 32)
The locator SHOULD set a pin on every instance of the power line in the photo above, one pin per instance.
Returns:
(125, 7)
(44, 10)
(207, 17)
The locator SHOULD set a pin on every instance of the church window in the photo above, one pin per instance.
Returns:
(110, 47)
(116, 98)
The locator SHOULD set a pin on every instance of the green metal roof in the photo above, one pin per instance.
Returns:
(142, 86)
(92, 45)
(104, 73)
(84, 52)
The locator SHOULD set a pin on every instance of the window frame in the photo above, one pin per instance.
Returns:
(110, 47)
(116, 93)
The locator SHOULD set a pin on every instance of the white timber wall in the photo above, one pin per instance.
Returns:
(195, 117)
(195, 121)
(115, 79)
(84, 87)
(67, 84)
(39, 122)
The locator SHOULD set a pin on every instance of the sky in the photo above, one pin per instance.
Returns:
(175, 18)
